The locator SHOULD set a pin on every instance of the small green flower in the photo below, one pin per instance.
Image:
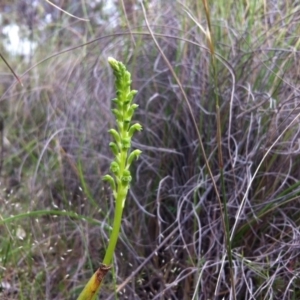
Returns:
(133, 155)
(111, 181)
(126, 178)
(114, 167)
(135, 127)
(126, 143)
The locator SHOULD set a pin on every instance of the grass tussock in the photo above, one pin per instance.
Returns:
(56, 212)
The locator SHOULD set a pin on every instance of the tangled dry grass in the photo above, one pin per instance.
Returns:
(56, 212)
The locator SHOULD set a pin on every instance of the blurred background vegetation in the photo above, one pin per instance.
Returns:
(55, 211)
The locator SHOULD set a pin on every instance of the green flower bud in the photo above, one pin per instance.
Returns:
(131, 95)
(131, 110)
(114, 148)
(134, 106)
(114, 64)
(133, 155)
(115, 135)
(127, 77)
(116, 113)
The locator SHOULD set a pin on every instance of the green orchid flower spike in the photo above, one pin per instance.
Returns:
(120, 167)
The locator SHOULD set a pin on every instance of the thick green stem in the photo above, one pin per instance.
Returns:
(115, 230)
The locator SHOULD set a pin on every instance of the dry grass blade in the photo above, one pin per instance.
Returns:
(65, 12)
(11, 69)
